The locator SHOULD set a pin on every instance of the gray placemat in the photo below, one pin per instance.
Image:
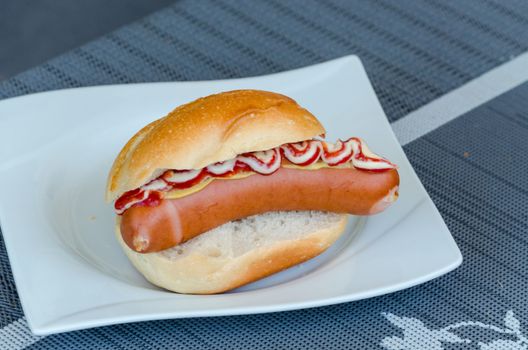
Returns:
(413, 52)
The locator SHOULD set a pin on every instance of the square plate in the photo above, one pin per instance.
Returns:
(57, 148)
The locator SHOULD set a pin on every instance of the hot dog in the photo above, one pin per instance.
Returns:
(154, 228)
(236, 157)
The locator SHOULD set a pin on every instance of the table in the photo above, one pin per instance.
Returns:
(452, 77)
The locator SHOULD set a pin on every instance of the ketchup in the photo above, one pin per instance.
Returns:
(263, 162)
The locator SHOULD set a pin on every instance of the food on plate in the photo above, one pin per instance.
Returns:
(236, 186)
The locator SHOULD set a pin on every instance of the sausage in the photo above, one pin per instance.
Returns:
(359, 192)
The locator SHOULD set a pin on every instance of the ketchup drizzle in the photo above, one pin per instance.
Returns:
(148, 197)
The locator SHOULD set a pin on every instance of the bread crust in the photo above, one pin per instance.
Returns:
(211, 129)
(201, 274)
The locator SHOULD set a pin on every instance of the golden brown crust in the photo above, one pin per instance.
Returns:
(280, 258)
(211, 129)
(201, 274)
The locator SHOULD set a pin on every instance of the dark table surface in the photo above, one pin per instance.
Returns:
(474, 166)
(33, 31)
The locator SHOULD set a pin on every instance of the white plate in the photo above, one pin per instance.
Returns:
(55, 152)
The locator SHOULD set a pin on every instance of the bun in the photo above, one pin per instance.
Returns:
(239, 252)
(211, 129)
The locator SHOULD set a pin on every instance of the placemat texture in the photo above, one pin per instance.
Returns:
(414, 52)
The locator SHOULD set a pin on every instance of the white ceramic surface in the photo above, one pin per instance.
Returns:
(55, 152)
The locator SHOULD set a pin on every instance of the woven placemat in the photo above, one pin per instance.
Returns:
(413, 51)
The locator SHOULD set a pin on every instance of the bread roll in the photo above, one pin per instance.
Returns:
(211, 129)
(239, 252)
